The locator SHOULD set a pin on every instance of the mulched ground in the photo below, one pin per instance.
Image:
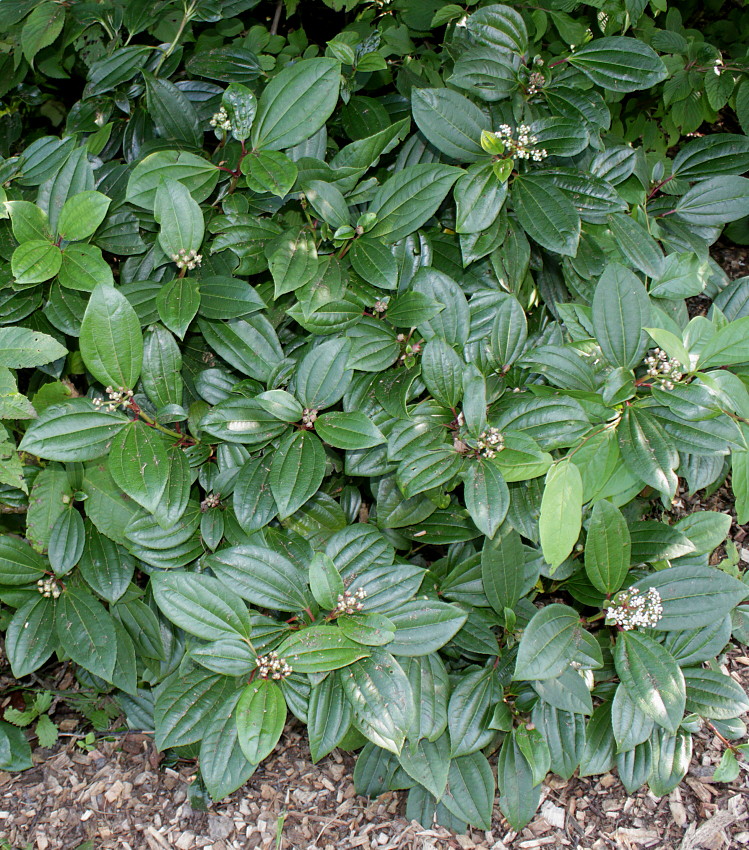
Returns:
(120, 795)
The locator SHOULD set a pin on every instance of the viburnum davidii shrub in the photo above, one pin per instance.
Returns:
(355, 381)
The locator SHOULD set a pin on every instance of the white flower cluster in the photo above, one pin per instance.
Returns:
(270, 666)
(630, 609)
(380, 306)
(187, 259)
(350, 603)
(664, 369)
(523, 146)
(212, 500)
(490, 442)
(535, 82)
(49, 588)
(309, 415)
(221, 120)
(718, 67)
(118, 396)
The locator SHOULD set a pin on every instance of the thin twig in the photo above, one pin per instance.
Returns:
(276, 18)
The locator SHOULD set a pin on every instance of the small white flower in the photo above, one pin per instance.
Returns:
(187, 259)
(632, 608)
(221, 120)
(49, 588)
(270, 666)
(350, 603)
(490, 442)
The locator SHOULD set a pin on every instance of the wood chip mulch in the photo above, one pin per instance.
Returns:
(118, 796)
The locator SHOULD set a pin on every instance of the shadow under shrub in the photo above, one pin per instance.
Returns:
(346, 381)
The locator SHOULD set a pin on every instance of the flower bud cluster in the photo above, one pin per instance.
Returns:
(380, 306)
(187, 259)
(118, 396)
(411, 349)
(270, 666)
(664, 369)
(535, 82)
(523, 146)
(309, 416)
(631, 608)
(490, 442)
(212, 500)
(221, 120)
(49, 588)
(350, 603)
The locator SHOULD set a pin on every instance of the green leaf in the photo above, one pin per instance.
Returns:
(619, 64)
(348, 430)
(428, 763)
(83, 268)
(509, 332)
(162, 362)
(519, 794)
(296, 103)
(241, 106)
(409, 198)
(21, 348)
(81, 215)
(223, 766)
(35, 262)
(186, 703)
(367, 629)
(86, 632)
(374, 262)
(543, 652)
(486, 495)
(30, 638)
(139, 465)
(296, 471)
(381, 698)
(714, 201)
(322, 376)
(646, 452)
(450, 121)
(197, 174)
(621, 309)
(711, 156)
(503, 571)
(41, 28)
(637, 245)
(111, 341)
(328, 717)
(72, 431)
(714, 695)
(261, 576)
(294, 263)
(478, 198)
(327, 201)
(200, 605)
(469, 709)
(607, 548)
(729, 768)
(560, 520)
(653, 680)
(693, 596)
(106, 567)
(180, 218)
(547, 214)
(671, 757)
(66, 541)
(442, 372)
(318, 649)
(172, 113)
(325, 581)
(423, 626)
(269, 172)
(728, 346)
(177, 303)
(260, 716)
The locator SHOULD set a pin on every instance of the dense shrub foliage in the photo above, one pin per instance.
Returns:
(353, 377)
